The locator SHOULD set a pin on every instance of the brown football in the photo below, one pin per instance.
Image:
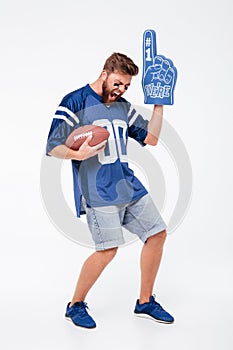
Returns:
(79, 135)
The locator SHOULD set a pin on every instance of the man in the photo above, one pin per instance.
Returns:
(105, 188)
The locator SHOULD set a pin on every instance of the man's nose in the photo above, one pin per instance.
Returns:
(122, 88)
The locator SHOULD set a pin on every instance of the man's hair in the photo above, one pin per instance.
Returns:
(121, 63)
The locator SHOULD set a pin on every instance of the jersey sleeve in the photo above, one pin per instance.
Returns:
(138, 126)
(65, 120)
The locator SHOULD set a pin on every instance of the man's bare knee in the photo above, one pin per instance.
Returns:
(158, 238)
(162, 235)
(108, 254)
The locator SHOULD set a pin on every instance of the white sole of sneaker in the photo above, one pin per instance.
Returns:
(151, 318)
(76, 325)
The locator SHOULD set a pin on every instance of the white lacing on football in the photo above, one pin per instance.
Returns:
(81, 136)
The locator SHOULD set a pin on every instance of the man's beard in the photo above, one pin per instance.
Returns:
(105, 93)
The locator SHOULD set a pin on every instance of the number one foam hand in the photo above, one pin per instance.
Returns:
(159, 74)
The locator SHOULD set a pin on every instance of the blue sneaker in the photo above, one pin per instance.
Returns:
(78, 314)
(153, 310)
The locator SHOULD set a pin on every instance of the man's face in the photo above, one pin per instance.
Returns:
(114, 86)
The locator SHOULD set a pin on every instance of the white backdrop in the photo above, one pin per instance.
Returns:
(49, 48)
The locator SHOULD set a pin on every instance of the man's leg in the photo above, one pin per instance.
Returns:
(91, 270)
(150, 260)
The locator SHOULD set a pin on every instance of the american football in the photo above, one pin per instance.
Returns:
(79, 135)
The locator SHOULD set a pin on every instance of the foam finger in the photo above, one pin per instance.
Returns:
(169, 75)
(149, 49)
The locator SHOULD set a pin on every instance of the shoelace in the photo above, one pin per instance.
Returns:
(156, 305)
(79, 308)
(82, 308)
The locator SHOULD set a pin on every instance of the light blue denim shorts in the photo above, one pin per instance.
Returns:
(140, 217)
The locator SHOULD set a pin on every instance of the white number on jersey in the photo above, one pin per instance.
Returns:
(116, 141)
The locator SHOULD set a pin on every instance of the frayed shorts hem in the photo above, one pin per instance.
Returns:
(151, 233)
(108, 245)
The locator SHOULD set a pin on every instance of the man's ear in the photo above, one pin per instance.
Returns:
(104, 75)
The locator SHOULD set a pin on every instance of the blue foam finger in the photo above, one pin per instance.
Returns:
(159, 73)
(149, 49)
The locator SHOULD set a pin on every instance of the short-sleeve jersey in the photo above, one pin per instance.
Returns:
(105, 179)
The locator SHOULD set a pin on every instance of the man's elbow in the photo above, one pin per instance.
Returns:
(49, 153)
(151, 139)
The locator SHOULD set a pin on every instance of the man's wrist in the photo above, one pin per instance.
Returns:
(73, 154)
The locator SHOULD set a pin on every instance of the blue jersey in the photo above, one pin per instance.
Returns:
(106, 178)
